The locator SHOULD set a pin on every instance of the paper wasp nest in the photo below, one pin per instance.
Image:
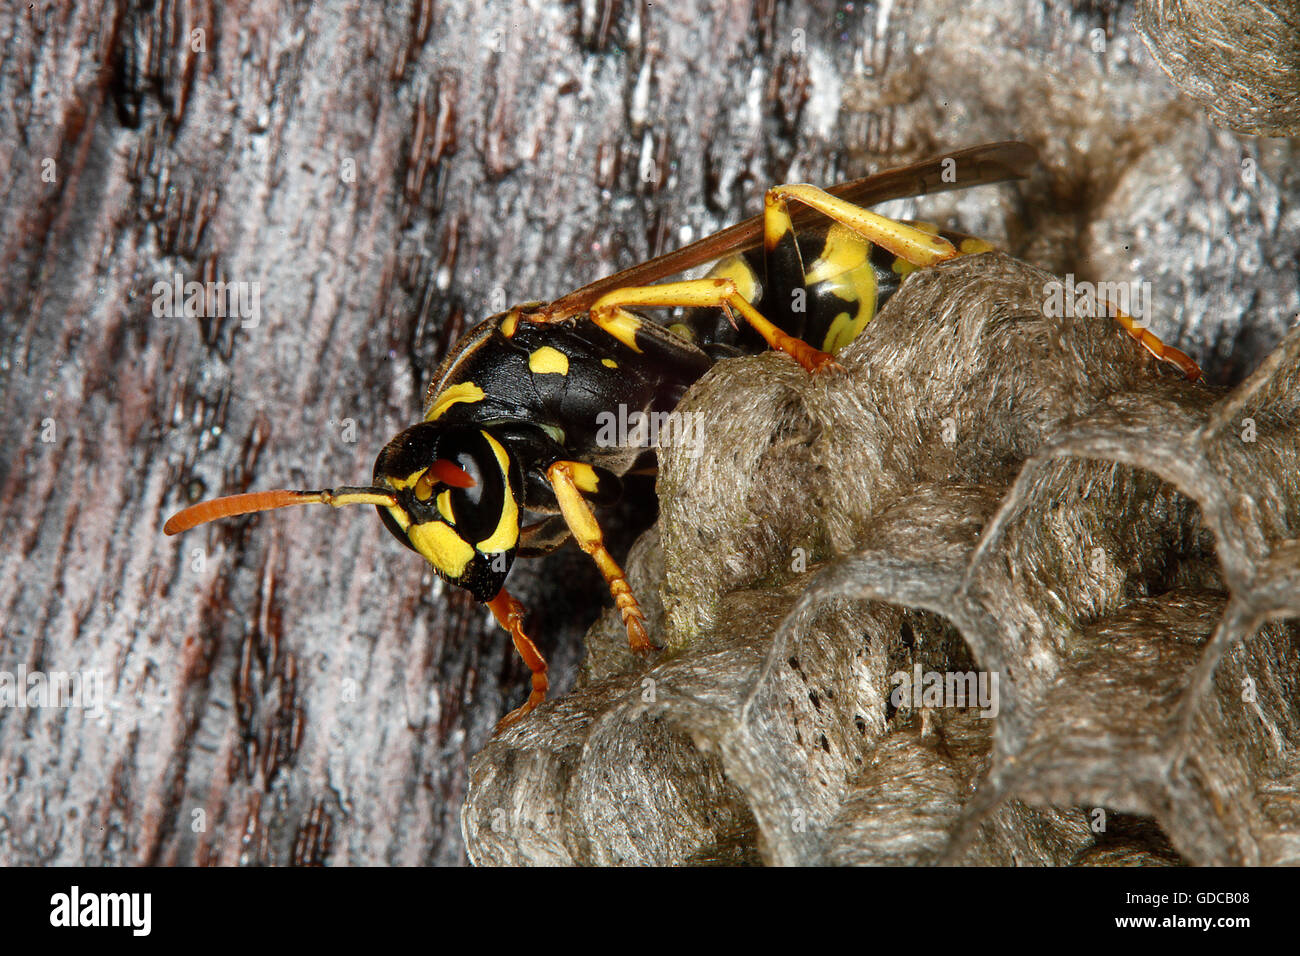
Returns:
(985, 491)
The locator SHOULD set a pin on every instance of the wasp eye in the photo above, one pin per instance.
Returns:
(478, 502)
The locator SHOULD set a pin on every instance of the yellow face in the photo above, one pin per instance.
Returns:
(457, 493)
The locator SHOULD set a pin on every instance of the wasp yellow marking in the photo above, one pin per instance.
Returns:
(403, 520)
(842, 331)
(506, 534)
(442, 547)
(858, 286)
(903, 267)
(609, 363)
(548, 361)
(444, 506)
(510, 323)
(844, 268)
(407, 482)
(845, 327)
(972, 246)
(738, 271)
(843, 251)
(682, 331)
(463, 392)
(503, 459)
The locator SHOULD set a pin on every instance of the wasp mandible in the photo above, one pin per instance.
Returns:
(510, 424)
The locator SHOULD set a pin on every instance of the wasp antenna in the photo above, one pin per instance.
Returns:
(256, 501)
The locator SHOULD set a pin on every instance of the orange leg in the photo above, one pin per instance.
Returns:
(1149, 341)
(510, 615)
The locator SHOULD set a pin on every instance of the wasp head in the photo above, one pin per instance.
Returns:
(456, 497)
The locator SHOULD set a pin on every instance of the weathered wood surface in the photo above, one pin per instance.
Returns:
(294, 687)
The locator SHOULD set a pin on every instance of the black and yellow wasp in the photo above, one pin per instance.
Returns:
(512, 422)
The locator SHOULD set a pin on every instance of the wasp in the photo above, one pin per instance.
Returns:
(512, 426)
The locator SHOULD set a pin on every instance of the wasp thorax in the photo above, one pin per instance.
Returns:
(456, 491)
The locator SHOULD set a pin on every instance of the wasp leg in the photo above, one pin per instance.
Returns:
(609, 313)
(1151, 342)
(582, 522)
(907, 242)
(510, 615)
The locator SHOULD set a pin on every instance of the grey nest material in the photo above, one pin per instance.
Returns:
(984, 489)
(1240, 59)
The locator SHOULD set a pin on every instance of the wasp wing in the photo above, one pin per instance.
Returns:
(962, 169)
